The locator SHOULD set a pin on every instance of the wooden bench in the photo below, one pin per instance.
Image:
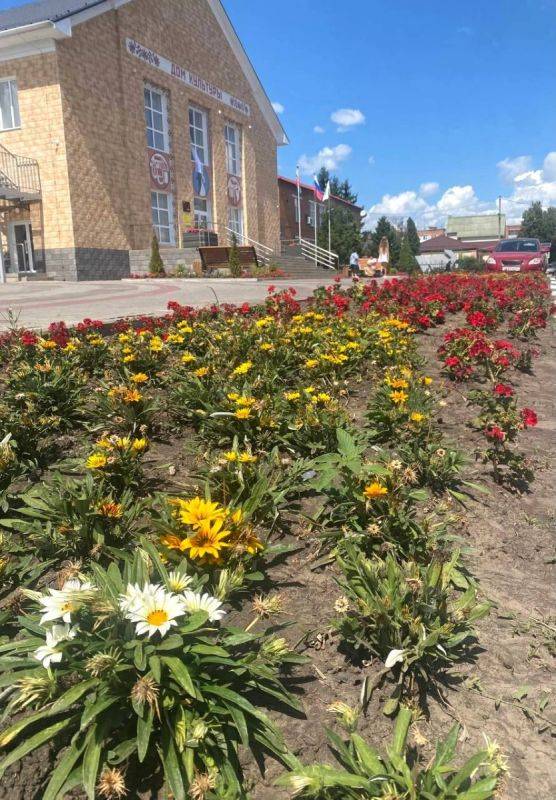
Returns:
(219, 257)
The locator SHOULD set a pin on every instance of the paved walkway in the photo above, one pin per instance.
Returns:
(36, 305)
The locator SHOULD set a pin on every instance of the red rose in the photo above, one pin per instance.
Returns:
(529, 418)
(502, 390)
(495, 433)
(452, 361)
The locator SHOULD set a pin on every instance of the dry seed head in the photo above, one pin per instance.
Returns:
(100, 663)
(69, 570)
(201, 785)
(111, 785)
(341, 606)
(145, 690)
(267, 606)
(34, 690)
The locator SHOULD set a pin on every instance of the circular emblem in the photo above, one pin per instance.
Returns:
(234, 190)
(160, 170)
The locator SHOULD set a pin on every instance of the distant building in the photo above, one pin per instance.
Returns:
(512, 231)
(430, 233)
(477, 227)
(466, 249)
(311, 211)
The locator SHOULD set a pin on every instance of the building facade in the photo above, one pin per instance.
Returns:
(311, 211)
(123, 118)
(476, 227)
(430, 233)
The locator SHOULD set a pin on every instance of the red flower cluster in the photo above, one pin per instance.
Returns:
(529, 418)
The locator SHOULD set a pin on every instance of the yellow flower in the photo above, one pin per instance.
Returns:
(207, 541)
(156, 344)
(243, 369)
(175, 338)
(397, 383)
(193, 512)
(266, 347)
(139, 445)
(231, 456)
(243, 413)
(292, 395)
(185, 327)
(245, 402)
(248, 542)
(427, 381)
(47, 344)
(375, 490)
(202, 372)
(247, 458)
(311, 363)
(417, 417)
(188, 358)
(111, 510)
(132, 396)
(323, 397)
(104, 444)
(97, 461)
(122, 443)
(233, 396)
(70, 347)
(398, 397)
(139, 377)
(128, 359)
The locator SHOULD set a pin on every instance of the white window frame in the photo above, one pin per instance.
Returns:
(235, 222)
(232, 139)
(203, 149)
(313, 211)
(14, 106)
(200, 214)
(156, 208)
(164, 132)
(296, 204)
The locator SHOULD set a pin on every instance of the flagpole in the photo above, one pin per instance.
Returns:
(316, 221)
(299, 204)
(329, 227)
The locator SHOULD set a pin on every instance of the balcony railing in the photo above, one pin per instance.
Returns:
(19, 176)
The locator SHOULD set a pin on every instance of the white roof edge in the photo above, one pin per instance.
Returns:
(62, 29)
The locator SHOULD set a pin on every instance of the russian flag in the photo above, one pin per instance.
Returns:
(318, 190)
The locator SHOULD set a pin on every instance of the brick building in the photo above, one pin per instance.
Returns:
(311, 211)
(120, 117)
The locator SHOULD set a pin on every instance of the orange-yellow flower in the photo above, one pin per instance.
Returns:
(207, 541)
(111, 510)
(417, 417)
(243, 413)
(375, 490)
(97, 461)
(139, 377)
(196, 511)
(398, 398)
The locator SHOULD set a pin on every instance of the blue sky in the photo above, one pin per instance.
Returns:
(449, 90)
(445, 104)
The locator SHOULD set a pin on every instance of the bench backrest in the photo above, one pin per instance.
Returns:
(220, 256)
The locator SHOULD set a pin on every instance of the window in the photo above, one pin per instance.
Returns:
(233, 150)
(198, 135)
(296, 206)
(201, 213)
(312, 213)
(163, 217)
(9, 106)
(235, 222)
(156, 119)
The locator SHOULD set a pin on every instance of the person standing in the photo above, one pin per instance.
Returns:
(354, 263)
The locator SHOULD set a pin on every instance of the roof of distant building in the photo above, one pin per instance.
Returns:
(42, 11)
(440, 243)
(311, 189)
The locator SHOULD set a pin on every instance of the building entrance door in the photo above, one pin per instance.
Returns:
(21, 247)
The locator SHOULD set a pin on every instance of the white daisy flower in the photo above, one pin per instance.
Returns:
(62, 603)
(177, 581)
(155, 611)
(195, 601)
(134, 595)
(47, 653)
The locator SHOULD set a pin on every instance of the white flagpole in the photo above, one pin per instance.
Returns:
(316, 221)
(329, 226)
(298, 203)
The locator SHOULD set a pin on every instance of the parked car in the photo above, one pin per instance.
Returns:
(517, 255)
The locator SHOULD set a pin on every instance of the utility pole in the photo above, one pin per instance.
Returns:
(500, 216)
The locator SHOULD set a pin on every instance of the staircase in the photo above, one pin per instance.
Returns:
(297, 266)
(19, 177)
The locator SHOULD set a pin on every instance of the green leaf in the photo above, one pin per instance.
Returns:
(62, 772)
(72, 695)
(144, 730)
(172, 769)
(403, 722)
(181, 674)
(91, 759)
(33, 742)
(521, 692)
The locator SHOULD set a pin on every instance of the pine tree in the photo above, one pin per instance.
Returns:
(385, 228)
(345, 233)
(156, 264)
(233, 258)
(346, 192)
(323, 176)
(413, 237)
(406, 261)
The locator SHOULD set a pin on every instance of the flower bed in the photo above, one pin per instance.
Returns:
(125, 644)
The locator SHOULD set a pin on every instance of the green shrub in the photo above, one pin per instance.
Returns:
(233, 259)
(156, 265)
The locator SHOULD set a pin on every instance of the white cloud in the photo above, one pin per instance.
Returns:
(347, 118)
(318, 129)
(371, 160)
(510, 168)
(527, 186)
(278, 107)
(329, 157)
(428, 188)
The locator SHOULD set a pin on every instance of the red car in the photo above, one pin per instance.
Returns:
(517, 255)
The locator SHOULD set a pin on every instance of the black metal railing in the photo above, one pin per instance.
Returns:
(19, 173)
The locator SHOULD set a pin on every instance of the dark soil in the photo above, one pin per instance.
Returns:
(510, 539)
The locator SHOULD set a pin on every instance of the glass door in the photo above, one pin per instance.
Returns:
(21, 247)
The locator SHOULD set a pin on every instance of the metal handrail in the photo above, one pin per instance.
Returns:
(264, 253)
(318, 254)
(19, 173)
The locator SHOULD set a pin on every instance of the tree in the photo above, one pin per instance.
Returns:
(156, 264)
(323, 176)
(406, 261)
(233, 259)
(539, 224)
(385, 228)
(346, 192)
(337, 187)
(413, 237)
(345, 233)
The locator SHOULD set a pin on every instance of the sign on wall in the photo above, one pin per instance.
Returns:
(234, 190)
(185, 76)
(159, 169)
